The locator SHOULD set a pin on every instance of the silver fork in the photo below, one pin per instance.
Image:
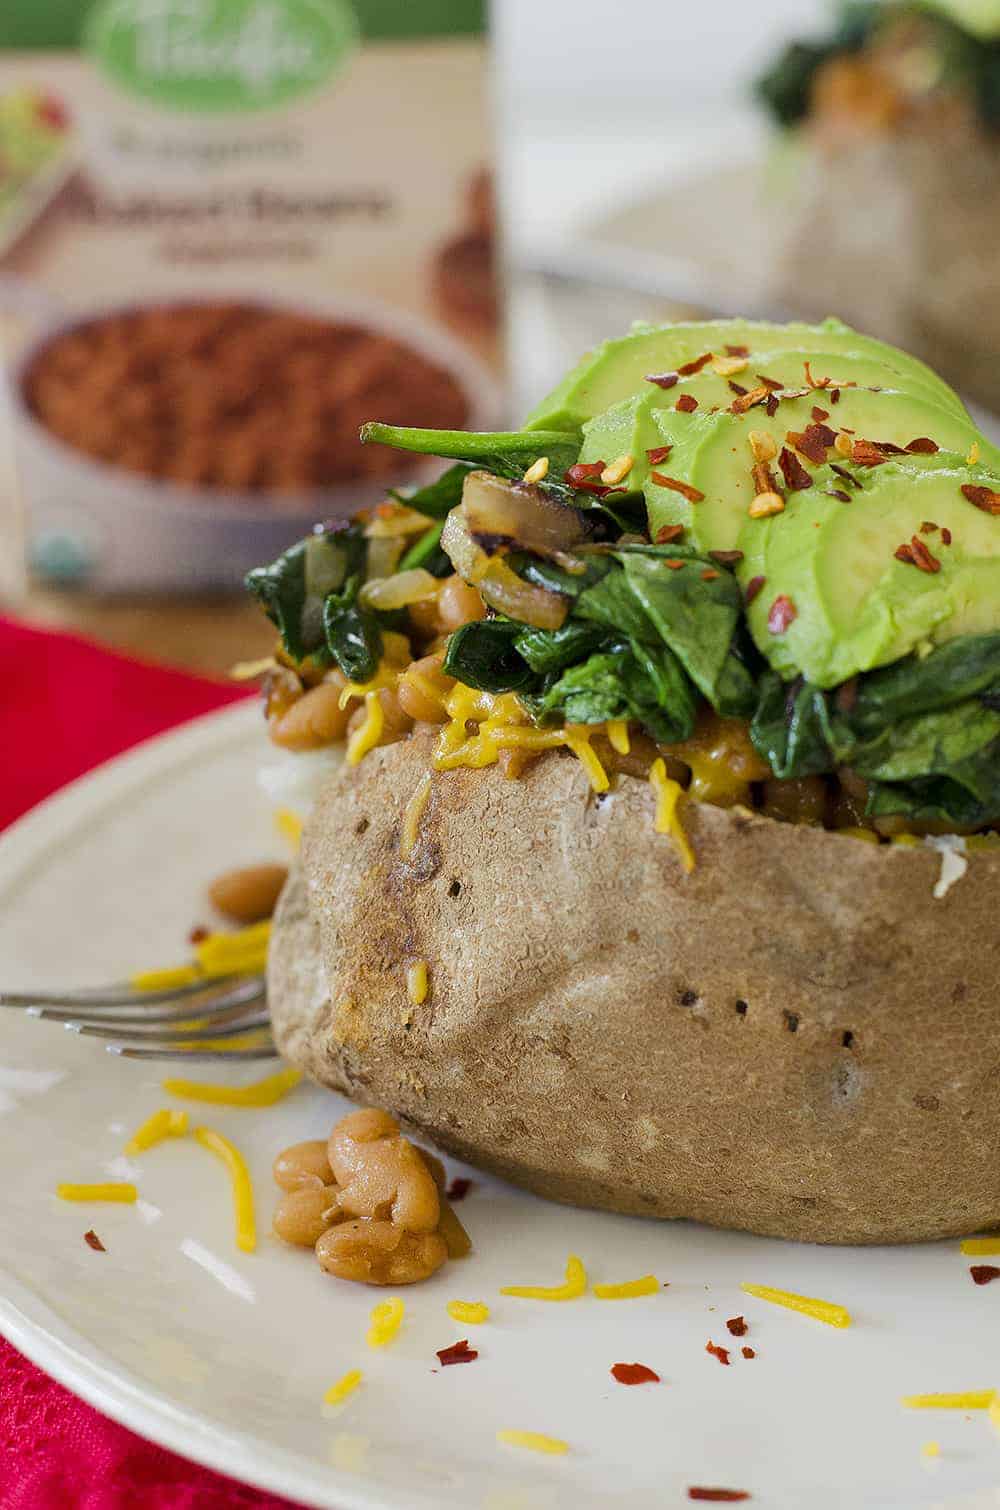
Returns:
(161, 1024)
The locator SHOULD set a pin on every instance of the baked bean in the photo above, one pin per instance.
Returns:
(279, 689)
(250, 894)
(303, 1164)
(381, 1174)
(458, 603)
(313, 720)
(380, 1253)
(423, 688)
(302, 1216)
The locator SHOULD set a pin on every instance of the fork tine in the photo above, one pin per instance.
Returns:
(242, 995)
(118, 994)
(174, 1034)
(193, 1056)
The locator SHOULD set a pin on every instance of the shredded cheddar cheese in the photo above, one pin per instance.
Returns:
(412, 815)
(579, 743)
(994, 1412)
(980, 1247)
(618, 736)
(647, 1285)
(969, 1399)
(261, 1093)
(368, 735)
(386, 1320)
(417, 985)
(468, 1312)
(289, 826)
(574, 1285)
(667, 821)
(820, 1310)
(117, 1191)
(156, 1129)
(502, 723)
(534, 1441)
(167, 979)
(344, 1386)
(239, 1174)
(931, 1450)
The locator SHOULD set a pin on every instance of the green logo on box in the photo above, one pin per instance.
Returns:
(205, 56)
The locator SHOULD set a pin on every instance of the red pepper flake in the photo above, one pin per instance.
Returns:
(693, 495)
(917, 554)
(634, 1373)
(946, 537)
(709, 575)
(737, 388)
(795, 475)
(819, 415)
(690, 368)
(674, 565)
(687, 403)
(868, 453)
(737, 1326)
(923, 446)
(814, 441)
(753, 588)
(748, 1352)
(836, 493)
(737, 351)
(663, 379)
(848, 477)
(817, 382)
(928, 527)
(582, 472)
(772, 383)
(783, 613)
(718, 1496)
(771, 405)
(459, 1352)
(668, 533)
(726, 558)
(982, 1274)
(722, 1353)
(198, 932)
(459, 1188)
(834, 395)
(984, 498)
(93, 1241)
(658, 454)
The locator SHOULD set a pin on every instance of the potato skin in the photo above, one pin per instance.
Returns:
(611, 1032)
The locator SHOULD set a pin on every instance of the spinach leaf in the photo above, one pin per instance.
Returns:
(543, 573)
(484, 655)
(438, 498)
(508, 453)
(352, 633)
(636, 682)
(791, 728)
(547, 650)
(949, 741)
(962, 668)
(280, 589)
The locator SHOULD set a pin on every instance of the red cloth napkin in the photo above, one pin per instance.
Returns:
(66, 706)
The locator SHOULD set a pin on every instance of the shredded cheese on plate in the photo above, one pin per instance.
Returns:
(820, 1310)
(647, 1285)
(468, 1312)
(239, 1174)
(534, 1441)
(261, 1093)
(386, 1320)
(574, 1285)
(163, 1124)
(118, 1191)
(344, 1386)
(980, 1247)
(968, 1399)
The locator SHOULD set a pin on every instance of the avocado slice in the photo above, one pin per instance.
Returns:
(856, 605)
(619, 368)
(710, 451)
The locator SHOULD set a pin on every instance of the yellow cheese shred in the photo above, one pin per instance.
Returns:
(112, 1190)
(667, 821)
(647, 1285)
(239, 1174)
(579, 742)
(289, 826)
(931, 1450)
(386, 1320)
(502, 723)
(572, 1288)
(534, 1441)
(163, 1124)
(468, 1312)
(994, 1412)
(820, 1310)
(232, 953)
(261, 1093)
(968, 1399)
(344, 1386)
(618, 736)
(368, 735)
(417, 984)
(168, 979)
(981, 1247)
(412, 815)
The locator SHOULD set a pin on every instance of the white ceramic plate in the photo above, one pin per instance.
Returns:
(229, 1364)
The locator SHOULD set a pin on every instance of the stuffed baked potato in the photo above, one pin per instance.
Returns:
(662, 881)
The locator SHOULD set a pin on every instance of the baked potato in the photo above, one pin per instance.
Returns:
(661, 878)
